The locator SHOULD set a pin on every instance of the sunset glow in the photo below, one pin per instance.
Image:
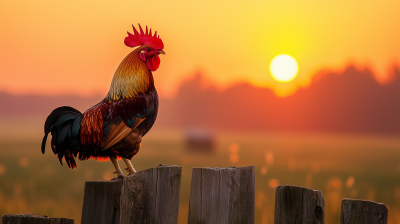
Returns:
(283, 68)
(44, 50)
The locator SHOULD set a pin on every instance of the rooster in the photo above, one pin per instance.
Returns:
(113, 128)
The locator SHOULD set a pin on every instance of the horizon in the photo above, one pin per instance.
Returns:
(207, 82)
(351, 101)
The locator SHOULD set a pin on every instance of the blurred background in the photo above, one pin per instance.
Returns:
(333, 126)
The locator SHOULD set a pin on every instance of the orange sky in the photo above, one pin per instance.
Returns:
(56, 47)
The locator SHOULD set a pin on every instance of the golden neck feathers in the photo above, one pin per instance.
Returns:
(132, 78)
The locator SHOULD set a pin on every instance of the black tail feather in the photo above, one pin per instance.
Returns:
(44, 142)
(61, 123)
(60, 157)
(55, 114)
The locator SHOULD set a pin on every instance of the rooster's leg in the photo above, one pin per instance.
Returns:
(118, 170)
(129, 167)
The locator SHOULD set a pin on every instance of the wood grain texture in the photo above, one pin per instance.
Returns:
(148, 196)
(363, 212)
(222, 195)
(300, 205)
(151, 196)
(33, 219)
(101, 202)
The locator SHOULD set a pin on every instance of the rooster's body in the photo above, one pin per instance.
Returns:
(114, 127)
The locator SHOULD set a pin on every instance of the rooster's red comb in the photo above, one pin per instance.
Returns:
(137, 39)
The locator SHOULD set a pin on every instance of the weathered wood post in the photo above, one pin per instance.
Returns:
(222, 195)
(363, 212)
(298, 205)
(33, 219)
(148, 196)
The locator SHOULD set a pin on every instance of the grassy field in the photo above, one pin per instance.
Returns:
(362, 167)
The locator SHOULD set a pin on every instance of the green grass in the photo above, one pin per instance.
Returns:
(36, 183)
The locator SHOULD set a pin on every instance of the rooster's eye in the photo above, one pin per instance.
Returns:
(148, 50)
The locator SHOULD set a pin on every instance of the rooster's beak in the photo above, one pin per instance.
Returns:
(161, 52)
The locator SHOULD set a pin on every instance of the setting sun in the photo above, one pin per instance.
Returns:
(283, 68)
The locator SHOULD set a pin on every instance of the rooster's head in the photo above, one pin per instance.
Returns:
(150, 46)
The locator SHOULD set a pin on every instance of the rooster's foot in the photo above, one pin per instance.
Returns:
(120, 176)
(130, 170)
(129, 167)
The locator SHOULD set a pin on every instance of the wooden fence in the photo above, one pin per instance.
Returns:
(217, 196)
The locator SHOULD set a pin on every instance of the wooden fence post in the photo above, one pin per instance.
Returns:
(298, 205)
(363, 212)
(33, 219)
(222, 195)
(148, 196)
